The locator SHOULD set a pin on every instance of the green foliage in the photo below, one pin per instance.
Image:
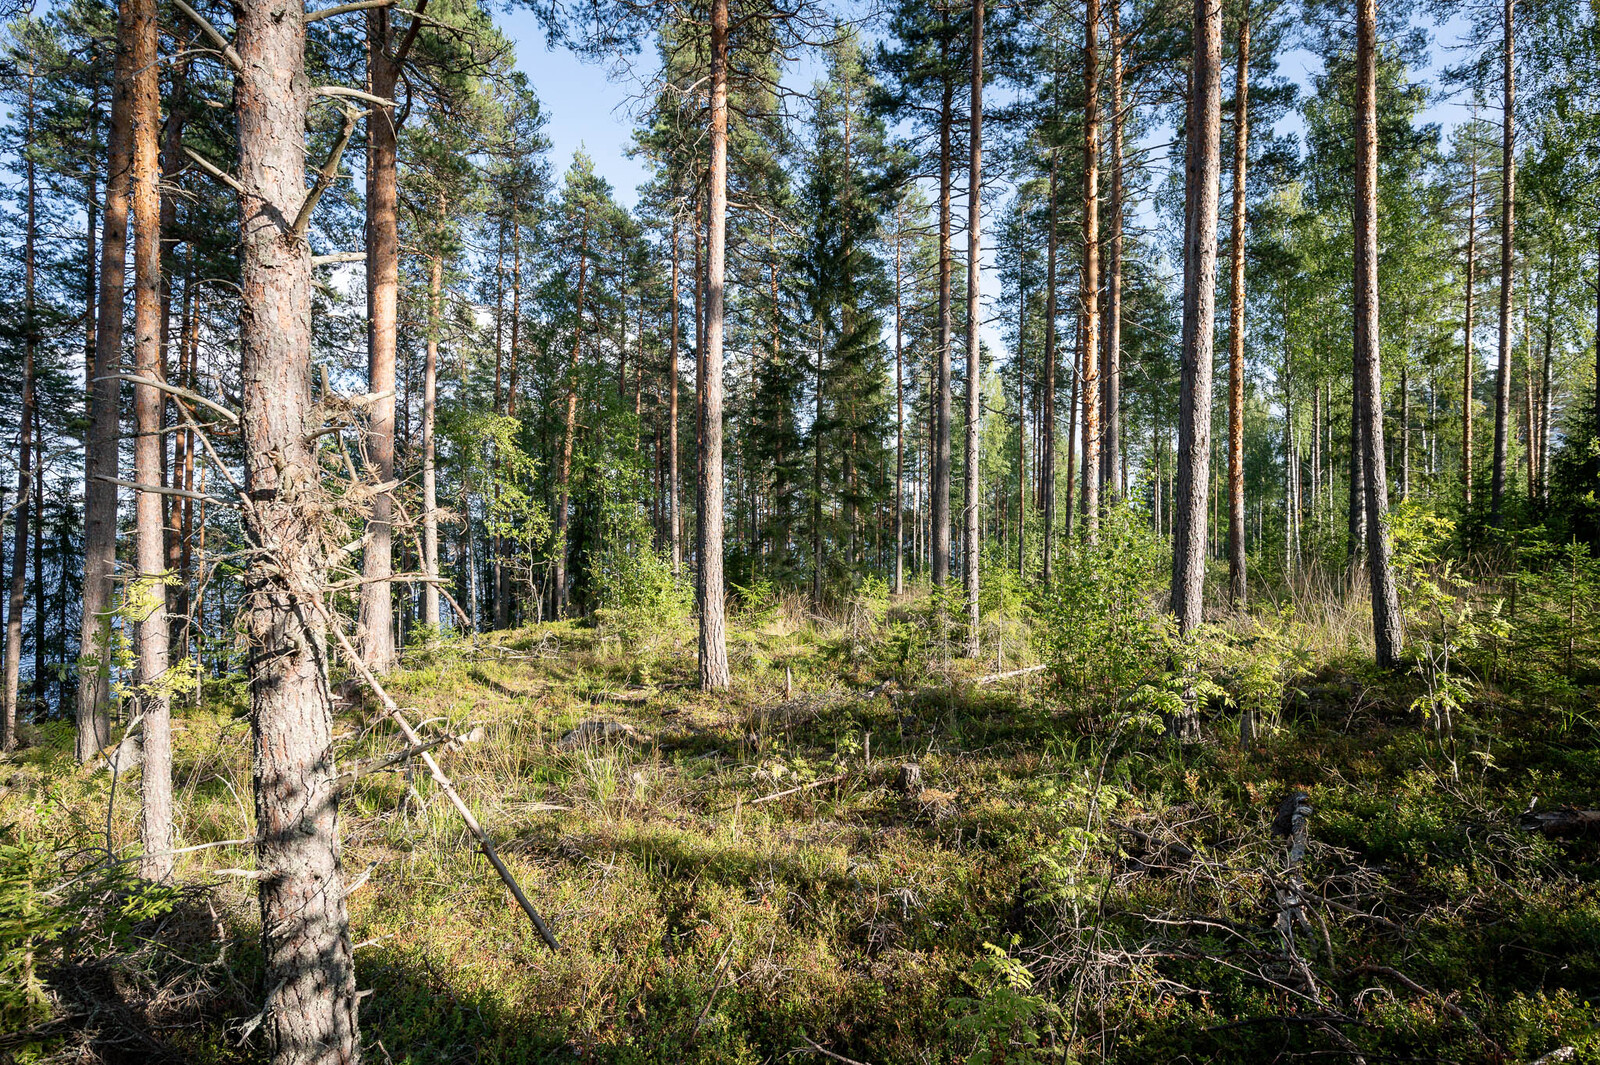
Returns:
(1445, 622)
(637, 596)
(1103, 631)
(28, 921)
(1005, 1014)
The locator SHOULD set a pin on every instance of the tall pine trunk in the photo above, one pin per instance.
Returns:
(899, 585)
(1093, 402)
(1188, 503)
(713, 625)
(675, 512)
(1047, 439)
(1468, 365)
(310, 1018)
(101, 449)
(569, 429)
(1386, 624)
(973, 534)
(149, 590)
(430, 484)
(1508, 195)
(940, 545)
(1113, 463)
(1241, 135)
(25, 445)
(375, 630)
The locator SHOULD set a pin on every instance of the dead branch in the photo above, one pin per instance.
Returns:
(182, 393)
(803, 787)
(345, 9)
(354, 94)
(325, 176)
(215, 171)
(1008, 674)
(217, 37)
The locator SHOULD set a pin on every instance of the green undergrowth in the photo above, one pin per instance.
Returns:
(750, 876)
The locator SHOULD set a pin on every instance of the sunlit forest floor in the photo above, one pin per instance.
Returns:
(852, 857)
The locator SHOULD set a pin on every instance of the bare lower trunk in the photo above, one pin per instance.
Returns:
(1386, 625)
(430, 486)
(25, 475)
(569, 430)
(375, 629)
(1113, 460)
(899, 585)
(1508, 195)
(148, 592)
(676, 515)
(941, 412)
(100, 495)
(1468, 365)
(1093, 402)
(1047, 439)
(310, 1015)
(713, 626)
(1241, 134)
(973, 534)
(1200, 275)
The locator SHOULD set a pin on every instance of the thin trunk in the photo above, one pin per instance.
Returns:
(1047, 442)
(100, 453)
(973, 535)
(1241, 135)
(1022, 411)
(569, 430)
(1090, 293)
(305, 930)
(430, 486)
(1468, 365)
(1188, 503)
(676, 514)
(1508, 194)
(713, 639)
(1386, 623)
(375, 627)
(941, 447)
(150, 600)
(1113, 461)
(19, 553)
(899, 585)
(1405, 432)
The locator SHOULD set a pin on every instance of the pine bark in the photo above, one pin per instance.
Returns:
(1508, 195)
(941, 423)
(973, 534)
(149, 590)
(569, 428)
(673, 507)
(1188, 502)
(430, 479)
(1093, 401)
(310, 1017)
(899, 585)
(1113, 465)
(25, 444)
(104, 438)
(713, 625)
(1241, 135)
(1047, 440)
(1386, 623)
(1468, 365)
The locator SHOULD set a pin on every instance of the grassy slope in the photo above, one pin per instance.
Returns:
(1135, 882)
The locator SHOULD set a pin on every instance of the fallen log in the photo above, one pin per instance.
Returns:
(1565, 821)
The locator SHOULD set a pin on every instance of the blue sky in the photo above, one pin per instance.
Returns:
(590, 110)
